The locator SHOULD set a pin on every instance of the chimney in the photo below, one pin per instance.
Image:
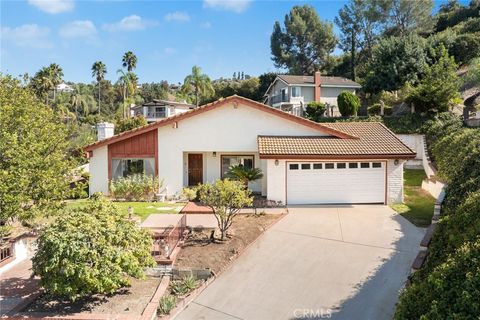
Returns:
(105, 130)
(317, 81)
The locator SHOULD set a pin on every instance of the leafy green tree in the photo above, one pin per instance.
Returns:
(129, 61)
(407, 16)
(315, 111)
(99, 69)
(395, 62)
(225, 198)
(348, 104)
(438, 89)
(34, 163)
(198, 83)
(126, 124)
(91, 250)
(46, 80)
(150, 91)
(244, 175)
(265, 79)
(304, 44)
(473, 74)
(245, 88)
(359, 22)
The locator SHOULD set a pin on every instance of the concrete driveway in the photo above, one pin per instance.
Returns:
(339, 262)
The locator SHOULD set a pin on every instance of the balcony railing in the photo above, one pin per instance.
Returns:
(156, 115)
(278, 99)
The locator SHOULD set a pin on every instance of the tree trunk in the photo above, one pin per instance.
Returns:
(196, 95)
(99, 97)
(352, 63)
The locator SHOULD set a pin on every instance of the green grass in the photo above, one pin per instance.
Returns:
(141, 209)
(418, 205)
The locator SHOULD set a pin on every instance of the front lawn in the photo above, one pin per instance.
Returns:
(141, 209)
(418, 204)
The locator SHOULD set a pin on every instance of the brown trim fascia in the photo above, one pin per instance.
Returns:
(338, 156)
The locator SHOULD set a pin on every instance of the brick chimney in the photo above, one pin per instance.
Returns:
(317, 81)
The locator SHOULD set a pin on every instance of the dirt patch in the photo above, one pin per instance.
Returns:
(200, 252)
(131, 300)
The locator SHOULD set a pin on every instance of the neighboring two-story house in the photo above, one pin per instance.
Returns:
(292, 93)
(159, 109)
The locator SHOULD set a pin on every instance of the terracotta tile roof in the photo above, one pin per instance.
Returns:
(327, 81)
(374, 140)
(210, 106)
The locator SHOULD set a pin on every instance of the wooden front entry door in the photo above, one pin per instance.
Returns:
(195, 169)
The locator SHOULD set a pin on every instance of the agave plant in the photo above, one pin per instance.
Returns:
(245, 175)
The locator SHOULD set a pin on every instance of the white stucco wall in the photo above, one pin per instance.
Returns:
(277, 179)
(223, 130)
(99, 171)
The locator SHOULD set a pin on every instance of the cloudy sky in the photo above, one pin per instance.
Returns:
(168, 37)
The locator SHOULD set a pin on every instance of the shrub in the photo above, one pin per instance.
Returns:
(225, 198)
(136, 187)
(315, 110)
(166, 304)
(465, 48)
(450, 291)
(376, 108)
(244, 175)
(348, 104)
(91, 250)
(189, 193)
(123, 125)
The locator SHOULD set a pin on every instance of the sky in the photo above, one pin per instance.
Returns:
(168, 37)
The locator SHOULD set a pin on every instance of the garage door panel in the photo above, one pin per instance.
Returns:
(324, 186)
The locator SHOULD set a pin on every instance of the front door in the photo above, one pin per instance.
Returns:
(195, 169)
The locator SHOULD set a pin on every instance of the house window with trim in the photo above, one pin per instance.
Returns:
(235, 160)
(296, 92)
(122, 168)
(160, 112)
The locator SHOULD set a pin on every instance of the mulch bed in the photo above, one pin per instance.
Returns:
(199, 252)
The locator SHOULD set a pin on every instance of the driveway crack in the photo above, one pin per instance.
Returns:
(216, 310)
(340, 223)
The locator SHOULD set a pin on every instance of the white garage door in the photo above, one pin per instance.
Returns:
(335, 182)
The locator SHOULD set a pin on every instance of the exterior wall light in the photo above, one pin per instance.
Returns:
(214, 154)
(276, 162)
(396, 162)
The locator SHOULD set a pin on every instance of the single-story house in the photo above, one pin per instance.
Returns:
(303, 162)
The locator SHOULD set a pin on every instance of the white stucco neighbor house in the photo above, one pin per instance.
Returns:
(303, 162)
(292, 93)
(158, 109)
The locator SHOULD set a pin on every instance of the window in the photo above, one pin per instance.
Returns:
(294, 166)
(365, 165)
(284, 95)
(305, 166)
(160, 112)
(376, 164)
(353, 165)
(229, 161)
(329, 165)
(125, 167)
(317, 166)
(341, 165)
(296, 92)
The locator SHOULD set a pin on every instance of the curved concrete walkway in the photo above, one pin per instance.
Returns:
(340, 262)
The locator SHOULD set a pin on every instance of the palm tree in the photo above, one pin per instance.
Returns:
(128, 82)
(56, 74)
(98, 72)
(42, 83)
(76, 100)
(129, 61)
(244, 175)
(198, 83)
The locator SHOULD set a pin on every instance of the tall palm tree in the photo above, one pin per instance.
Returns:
(56, 74)
(99, 69)
(129, 61)
(76, 100)
(128, 82)
(42, 83)
(199, 83)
